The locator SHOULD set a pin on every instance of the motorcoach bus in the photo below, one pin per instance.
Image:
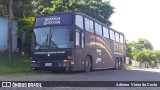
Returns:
(75, 41)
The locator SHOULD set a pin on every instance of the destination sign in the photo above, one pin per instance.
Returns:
(52, 20)
(65, 19)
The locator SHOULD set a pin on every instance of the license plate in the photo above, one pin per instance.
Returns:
(48, 64)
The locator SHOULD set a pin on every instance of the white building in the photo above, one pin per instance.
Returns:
(4, 35)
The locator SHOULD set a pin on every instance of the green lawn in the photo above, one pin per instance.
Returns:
(18, 65)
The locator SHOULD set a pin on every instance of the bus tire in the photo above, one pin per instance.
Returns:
(116, 64)
(120, 64)
(88, 64)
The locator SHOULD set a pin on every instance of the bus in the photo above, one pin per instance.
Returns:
(74, 41)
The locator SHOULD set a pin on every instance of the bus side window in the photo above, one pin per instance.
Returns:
(98, 29)
(89, 25)
(117, 37)
(105, 32)
(79, 21)
(77, 39)
(121, 39)
(82, 40)
(112, 35)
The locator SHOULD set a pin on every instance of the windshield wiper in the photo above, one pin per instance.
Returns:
(47, 43)
(52, 42)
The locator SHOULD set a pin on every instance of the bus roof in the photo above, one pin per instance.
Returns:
(83, 14)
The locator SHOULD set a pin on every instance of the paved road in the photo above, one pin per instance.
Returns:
(103, 75)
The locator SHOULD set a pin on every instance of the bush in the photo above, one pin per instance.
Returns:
(23, 25)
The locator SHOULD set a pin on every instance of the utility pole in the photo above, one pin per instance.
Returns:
(10, 24)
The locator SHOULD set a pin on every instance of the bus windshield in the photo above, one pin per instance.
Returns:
(51, 37)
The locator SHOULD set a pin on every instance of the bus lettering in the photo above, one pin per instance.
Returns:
(52, 20)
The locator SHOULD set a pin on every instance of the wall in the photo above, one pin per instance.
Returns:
(4, 35)
(127, 61)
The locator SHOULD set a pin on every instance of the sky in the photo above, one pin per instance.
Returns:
(137, 19)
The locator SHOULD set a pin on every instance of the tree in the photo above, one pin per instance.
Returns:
(145, 55)
(10, 24)
(143, 44)
(157, 56)
(134, 47)
(130, 49)
(142, 51)
(94, 8)
(39, 5)
(25, 24)
(4, 9)
(23, 8)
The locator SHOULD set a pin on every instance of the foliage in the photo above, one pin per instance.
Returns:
(129, 48)
(25, 24)
(39, 5)
(143, 44)
(134, 47)
(21, 8)
(94, 8)
(3, 7)
(157, 55)
(142, 51)
(144, 55)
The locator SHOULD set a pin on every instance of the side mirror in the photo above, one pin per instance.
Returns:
(25, 33)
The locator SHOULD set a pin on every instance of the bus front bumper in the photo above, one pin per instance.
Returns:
(51, 65)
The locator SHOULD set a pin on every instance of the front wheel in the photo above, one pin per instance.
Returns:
(88, 64)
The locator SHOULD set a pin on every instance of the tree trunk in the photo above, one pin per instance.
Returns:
(10, 24)
(140, 65)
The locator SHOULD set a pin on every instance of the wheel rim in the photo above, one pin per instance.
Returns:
(117, 64)
(120, 66)
(88, 64)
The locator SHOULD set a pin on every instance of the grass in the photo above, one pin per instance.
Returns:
(17, 66)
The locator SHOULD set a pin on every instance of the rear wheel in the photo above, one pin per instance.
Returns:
(116, 64)
(88, 64)
(120, 64)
